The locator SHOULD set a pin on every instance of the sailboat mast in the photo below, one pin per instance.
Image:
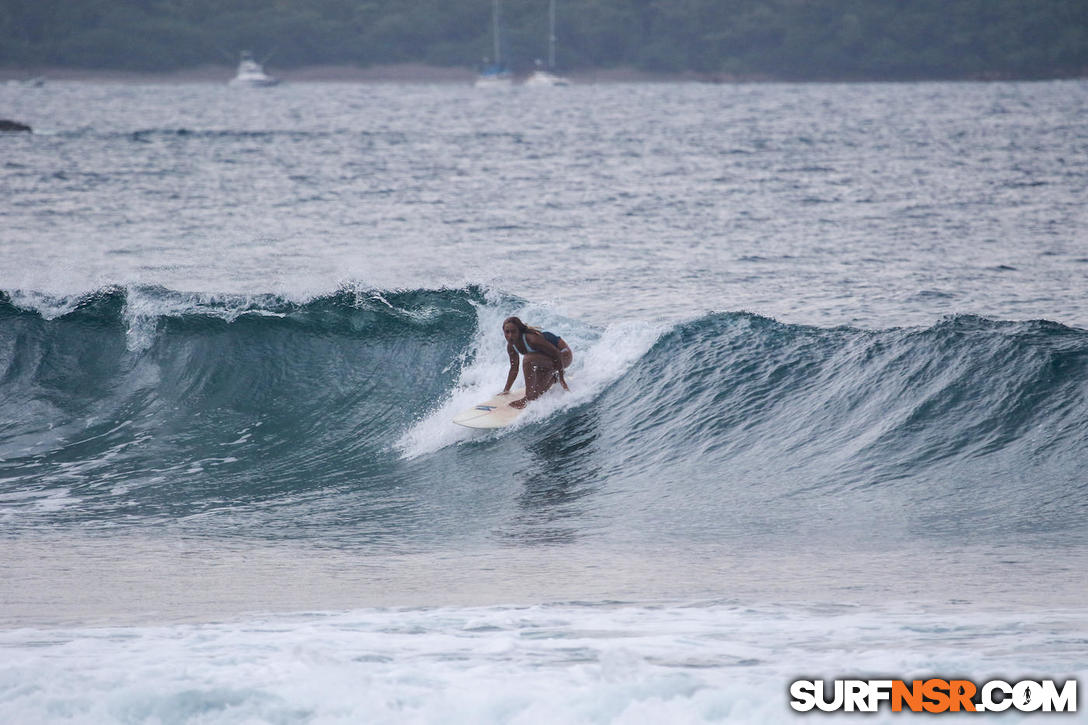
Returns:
(551, 35)
(495, 31)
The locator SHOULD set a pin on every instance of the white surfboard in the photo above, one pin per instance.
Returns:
(494, 413)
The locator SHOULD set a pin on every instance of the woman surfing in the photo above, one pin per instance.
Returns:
(545, 354)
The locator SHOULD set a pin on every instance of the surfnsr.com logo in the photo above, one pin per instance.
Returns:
(934, 695)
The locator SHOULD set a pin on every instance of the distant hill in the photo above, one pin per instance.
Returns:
(781, 39)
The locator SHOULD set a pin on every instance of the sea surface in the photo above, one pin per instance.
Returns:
(828, 413)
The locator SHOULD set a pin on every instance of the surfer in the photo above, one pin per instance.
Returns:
(546, 356)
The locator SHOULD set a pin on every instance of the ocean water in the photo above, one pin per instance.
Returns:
(828, 412)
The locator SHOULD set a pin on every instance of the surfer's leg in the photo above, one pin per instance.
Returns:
(539, 374)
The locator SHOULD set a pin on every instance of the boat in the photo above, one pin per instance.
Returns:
(545, 76)
(35, 82)
(495, 74)
(251, 74)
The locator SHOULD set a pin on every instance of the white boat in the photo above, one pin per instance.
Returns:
(495, 75)
(36, 82)
(546, 77)
(251, 74)
(542, 78)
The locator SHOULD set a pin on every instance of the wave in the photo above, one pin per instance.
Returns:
(889, 401)
(148, 404)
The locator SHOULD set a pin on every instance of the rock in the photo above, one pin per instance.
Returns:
(6, 125)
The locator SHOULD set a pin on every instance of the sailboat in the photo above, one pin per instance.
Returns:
(545, 76)
(495, 75)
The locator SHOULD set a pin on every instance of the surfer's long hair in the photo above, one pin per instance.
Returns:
(522, 327)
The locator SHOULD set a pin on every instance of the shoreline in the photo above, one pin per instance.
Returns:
(427, 74)
(80, 581)
(398, 73)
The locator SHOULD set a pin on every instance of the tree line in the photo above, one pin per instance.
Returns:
(783, 39)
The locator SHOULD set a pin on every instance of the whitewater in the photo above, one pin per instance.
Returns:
(828, 412)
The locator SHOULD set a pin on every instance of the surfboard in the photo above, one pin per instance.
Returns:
(493, 413)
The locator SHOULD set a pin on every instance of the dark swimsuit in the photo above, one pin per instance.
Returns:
(550, 337)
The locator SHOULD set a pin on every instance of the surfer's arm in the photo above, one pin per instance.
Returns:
(513, 375)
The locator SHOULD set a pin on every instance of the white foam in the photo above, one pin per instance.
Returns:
(144, 307)
(49, 306)
(54, 500)
(542, 664)
(142, 311)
